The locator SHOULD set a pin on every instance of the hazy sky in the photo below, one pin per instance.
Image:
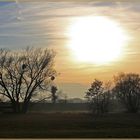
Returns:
(45, 24)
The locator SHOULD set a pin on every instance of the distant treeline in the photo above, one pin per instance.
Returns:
(60, 107)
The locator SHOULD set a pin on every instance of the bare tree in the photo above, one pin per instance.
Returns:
(127, 88)
(23, 73)
(99, 97)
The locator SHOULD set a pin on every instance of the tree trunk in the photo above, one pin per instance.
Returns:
(24, 107)
(16, 107)
(19, 107)
(25, 104)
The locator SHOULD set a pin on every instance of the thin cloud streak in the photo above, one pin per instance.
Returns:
(44, 24)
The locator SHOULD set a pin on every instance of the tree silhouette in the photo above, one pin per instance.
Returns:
(23, 73)
(127, 88)
(54, 96)
(99, 97)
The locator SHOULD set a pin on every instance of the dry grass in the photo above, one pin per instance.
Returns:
(69, 125)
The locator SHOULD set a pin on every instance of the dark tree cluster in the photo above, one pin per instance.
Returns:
(126, 90)
(99, 97)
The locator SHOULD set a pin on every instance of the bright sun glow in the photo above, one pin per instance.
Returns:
(96, 39)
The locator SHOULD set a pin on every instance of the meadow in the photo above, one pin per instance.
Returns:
(69, 125)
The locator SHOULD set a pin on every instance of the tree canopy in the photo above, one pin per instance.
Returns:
(23, 73)
(127, 88)
(99, 96)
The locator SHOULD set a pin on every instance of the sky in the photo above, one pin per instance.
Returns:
(46, 24)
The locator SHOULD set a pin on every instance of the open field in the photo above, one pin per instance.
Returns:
(69, 125)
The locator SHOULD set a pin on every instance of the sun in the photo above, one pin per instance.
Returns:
(96, 39)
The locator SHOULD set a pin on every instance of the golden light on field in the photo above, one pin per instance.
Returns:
(96, 39)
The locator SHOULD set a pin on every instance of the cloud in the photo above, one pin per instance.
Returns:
(45, 23)
(104, 4)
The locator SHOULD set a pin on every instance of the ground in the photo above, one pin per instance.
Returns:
(69, 125)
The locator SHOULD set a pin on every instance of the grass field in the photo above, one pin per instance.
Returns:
(69, 125)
